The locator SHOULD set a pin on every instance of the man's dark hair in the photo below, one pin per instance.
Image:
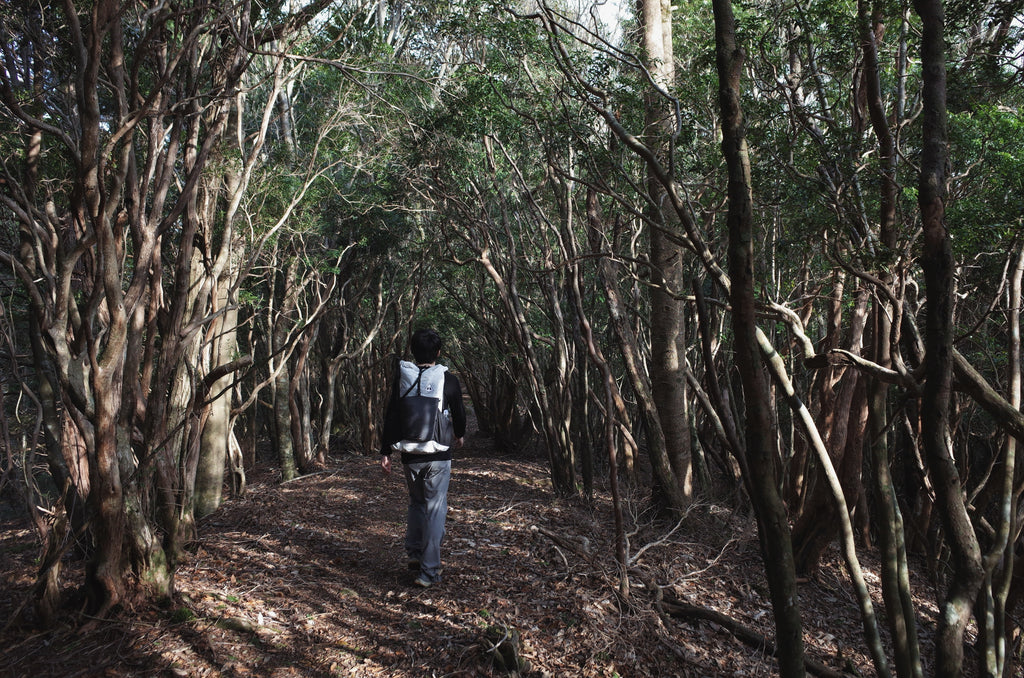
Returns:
(425, 345)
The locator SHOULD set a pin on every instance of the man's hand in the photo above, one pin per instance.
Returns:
(457, 443)
(385, 463)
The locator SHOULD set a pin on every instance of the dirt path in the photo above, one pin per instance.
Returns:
(307, 578)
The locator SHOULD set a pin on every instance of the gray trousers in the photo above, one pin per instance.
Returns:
(428, 508)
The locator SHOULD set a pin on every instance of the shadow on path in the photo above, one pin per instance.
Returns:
(308, 578)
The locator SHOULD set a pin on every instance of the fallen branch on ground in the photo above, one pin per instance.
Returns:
(688, 611)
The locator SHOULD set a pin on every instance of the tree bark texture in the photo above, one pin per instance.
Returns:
(772, 519)
(889, 522)
(667, 311)
(216, 436)
(818, 525)
(562, 472)
(996, 633)
(283, 323)
(937, 262)
(115, 329)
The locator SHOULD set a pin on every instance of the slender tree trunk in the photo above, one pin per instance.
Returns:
(175, 449)
(66, 455)
(818, 524)
(889, 523)
(937, 262)
(216, 435)
(562, 475)
(106, 571)
(327, 419)
(282, 323)
(716, 395)
(772, 519)
(613, 407)
(625, 337)
(668, 349)
(840, 511)
(557, 387)
(298, 402)
(1000, 563)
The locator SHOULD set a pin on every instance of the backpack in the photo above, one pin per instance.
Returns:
(425, 425)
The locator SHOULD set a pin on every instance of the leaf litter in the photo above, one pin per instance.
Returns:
(308, 578)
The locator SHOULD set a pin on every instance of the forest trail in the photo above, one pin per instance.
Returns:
(308, 578)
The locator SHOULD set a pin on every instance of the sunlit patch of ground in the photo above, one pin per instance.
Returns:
(308, 578)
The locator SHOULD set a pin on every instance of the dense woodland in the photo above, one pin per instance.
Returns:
(763, 254)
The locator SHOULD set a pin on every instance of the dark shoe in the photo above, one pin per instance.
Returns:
(413, 565)
(423, 582)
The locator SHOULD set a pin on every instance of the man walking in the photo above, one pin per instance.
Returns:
(425, 420)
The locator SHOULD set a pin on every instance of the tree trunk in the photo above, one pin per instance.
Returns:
(937, 262)
(282, 324)
(667, 319)
(216, 436)
(889, 522)
(818, 525)
(105, 576)
(625, 338)
(1001, 561)
(772, 519)
(66, 455)
(298, 402)
(113, 348)
(718, 398)
(330, 381)
(613, 407)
